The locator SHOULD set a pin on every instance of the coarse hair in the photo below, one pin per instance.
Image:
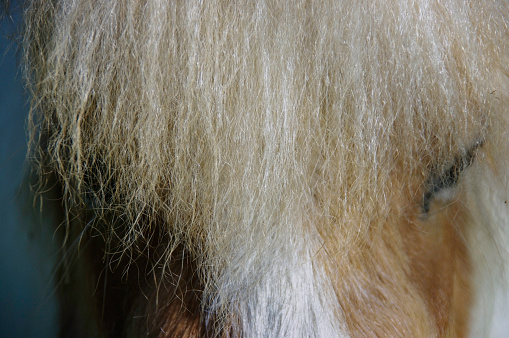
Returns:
(287, 147)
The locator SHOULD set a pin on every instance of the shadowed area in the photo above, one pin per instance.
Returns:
(27, 247)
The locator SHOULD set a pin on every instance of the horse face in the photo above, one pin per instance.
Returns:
(273, 169)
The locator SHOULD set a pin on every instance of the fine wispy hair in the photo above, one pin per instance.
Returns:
(280, 144)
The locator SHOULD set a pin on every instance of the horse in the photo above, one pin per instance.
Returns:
(274, 168)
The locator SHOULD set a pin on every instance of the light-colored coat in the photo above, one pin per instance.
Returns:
(279, 168)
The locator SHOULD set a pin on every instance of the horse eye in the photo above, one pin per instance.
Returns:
(448, 179)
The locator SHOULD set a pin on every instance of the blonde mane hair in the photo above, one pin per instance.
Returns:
(285, 147)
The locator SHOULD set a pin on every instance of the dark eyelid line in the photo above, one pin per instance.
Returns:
(450, 177)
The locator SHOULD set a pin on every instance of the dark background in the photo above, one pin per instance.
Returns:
(28, 249)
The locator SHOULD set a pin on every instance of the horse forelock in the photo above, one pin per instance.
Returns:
(286, 147)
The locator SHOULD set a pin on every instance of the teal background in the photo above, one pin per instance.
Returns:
(27, 244)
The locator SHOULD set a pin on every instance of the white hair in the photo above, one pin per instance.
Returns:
(292, 150)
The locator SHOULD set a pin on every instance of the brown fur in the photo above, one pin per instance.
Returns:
(288, 149)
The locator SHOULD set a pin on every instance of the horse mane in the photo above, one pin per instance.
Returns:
(258, 147)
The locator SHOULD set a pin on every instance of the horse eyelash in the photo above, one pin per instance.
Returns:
(450, 177)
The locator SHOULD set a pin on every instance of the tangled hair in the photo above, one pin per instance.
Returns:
(303, 168)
